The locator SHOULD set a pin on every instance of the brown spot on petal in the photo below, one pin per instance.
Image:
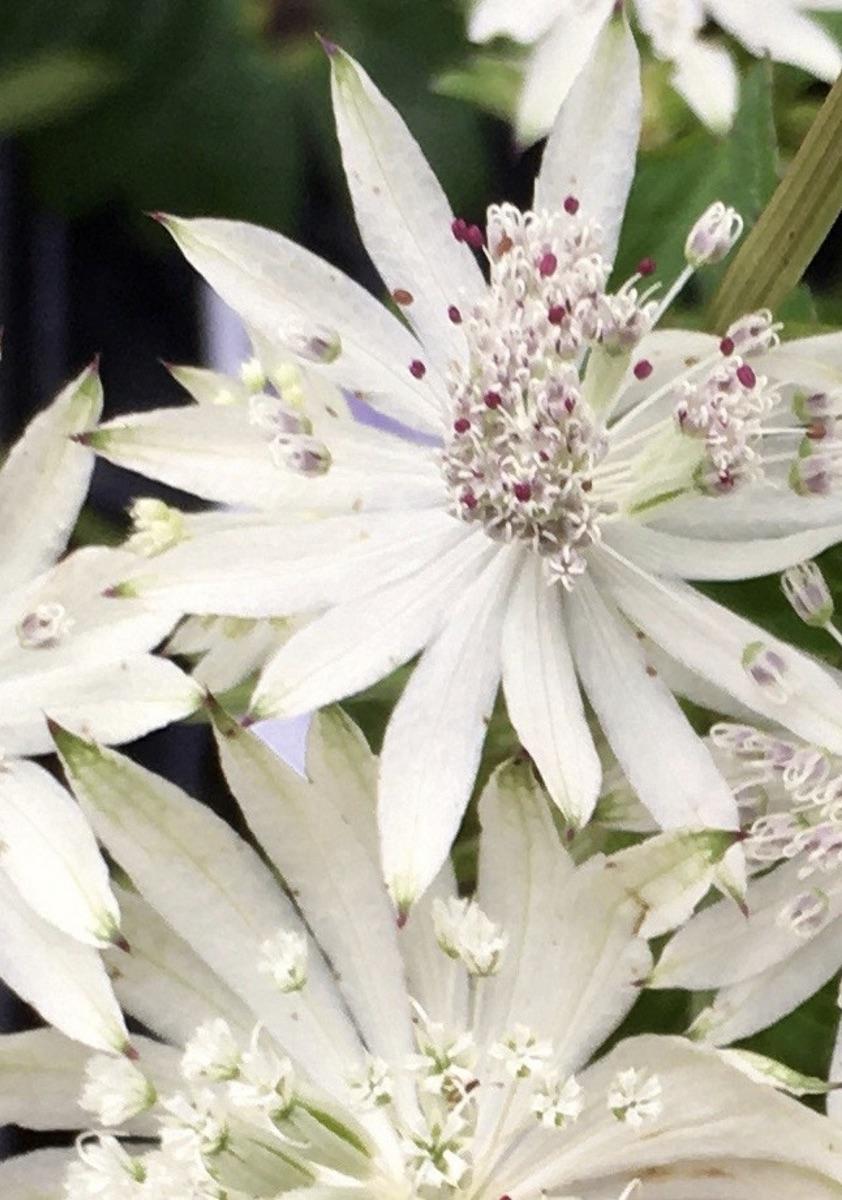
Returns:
(402, 296)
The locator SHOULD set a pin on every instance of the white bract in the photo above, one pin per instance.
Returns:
(570, 470)
(561, 34)
(383, 1075)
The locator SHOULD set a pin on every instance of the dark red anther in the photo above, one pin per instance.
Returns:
(570, 404)
(817, 431)
(556, 314)
(402, 297)
(493, 399)
(455, 315)
(642, 369)
(417, 368)
(746, 376)
(469, 500)
(727, 346)
(548, 264)
(523, 492)
(461, 425)
(459, 228)
(571, 205)
(647, 266)
(475, 237)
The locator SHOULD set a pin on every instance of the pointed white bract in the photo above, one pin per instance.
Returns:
(571, 467)
(560, 35)
(494, 1093)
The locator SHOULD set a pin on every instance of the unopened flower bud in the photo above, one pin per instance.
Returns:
(755, 333)
(156, 526)
(806, 914)
(713, 235)
(252, 374)
(806, 590)
(811, 473)
(44, 627)
(304, 455)
(817, 406)
(767, 668)
(319, 346)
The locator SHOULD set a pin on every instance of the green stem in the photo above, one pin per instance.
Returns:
(780, 247)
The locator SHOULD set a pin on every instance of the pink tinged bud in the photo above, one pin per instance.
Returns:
(475, 237)
(727, 346)
(643, 369)
(548, 264)
(819, 405)
(469, 500)
(454, 315)
(755, 333)
(523, 492)
(806, 590)
(766, 667)
(807, 914)
(556, 314)
(713, 235)
(647, 266)
(746, 376)
(307, 456)
(462, 425)
(417, 368)
(492, 399)
(811, 474)
(571, 205)
(324, 346)
(459, 229)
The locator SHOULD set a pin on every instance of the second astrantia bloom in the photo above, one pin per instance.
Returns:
(308, 1046)
(575, 469)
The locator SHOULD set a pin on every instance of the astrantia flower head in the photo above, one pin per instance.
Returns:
(65, 648)
(393, 1072)
(784, 941)
(570, 469)
(562, 32)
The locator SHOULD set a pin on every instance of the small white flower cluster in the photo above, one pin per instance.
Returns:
(790, 797)
(524, 443)
(156, 527)
(284, 958)
(243, 1114)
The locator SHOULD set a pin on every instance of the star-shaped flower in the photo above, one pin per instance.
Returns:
(573, 470)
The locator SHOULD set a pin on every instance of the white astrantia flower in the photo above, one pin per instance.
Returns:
(788, 944)
(383, 1001)
(560, 35)
(67, 651)
(575, 470)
